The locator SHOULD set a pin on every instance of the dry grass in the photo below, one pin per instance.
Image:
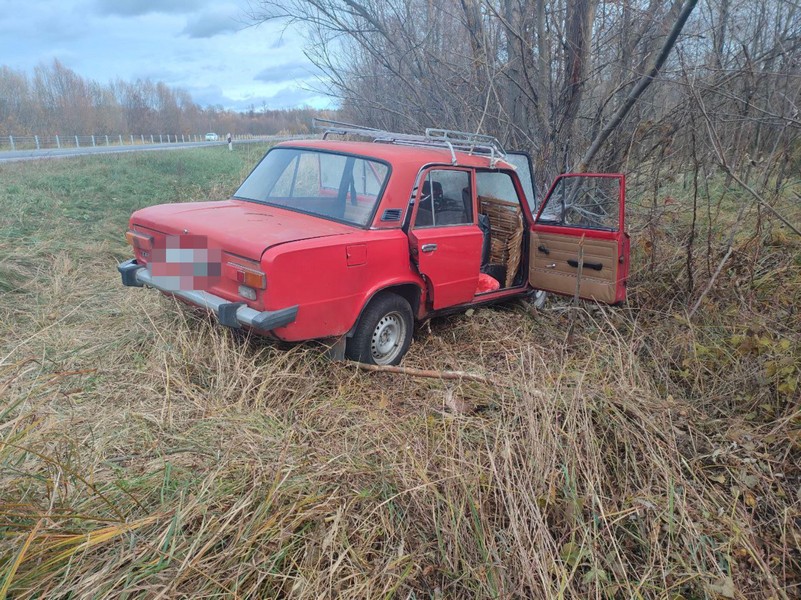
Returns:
(147, 452)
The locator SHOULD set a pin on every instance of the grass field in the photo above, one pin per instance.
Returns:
(145, 452)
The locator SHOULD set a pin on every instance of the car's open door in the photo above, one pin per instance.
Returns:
(578, 241)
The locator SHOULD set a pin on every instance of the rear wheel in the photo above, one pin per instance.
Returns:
(384, 332)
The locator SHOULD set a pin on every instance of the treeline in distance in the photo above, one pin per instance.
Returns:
(57, 100)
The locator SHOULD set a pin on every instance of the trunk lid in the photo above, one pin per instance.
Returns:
(243, 228)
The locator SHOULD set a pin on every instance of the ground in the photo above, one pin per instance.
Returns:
(147, 451)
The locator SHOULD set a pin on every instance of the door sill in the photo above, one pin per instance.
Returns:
(486, 296)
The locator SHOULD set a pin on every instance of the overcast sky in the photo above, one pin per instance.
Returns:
(203, 46)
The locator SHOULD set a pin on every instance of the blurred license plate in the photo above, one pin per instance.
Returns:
(185, 262)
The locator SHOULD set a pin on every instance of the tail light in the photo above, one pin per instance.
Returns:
(138, 240)
(250, 277)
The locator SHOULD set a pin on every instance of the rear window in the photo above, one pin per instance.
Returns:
(337, 187)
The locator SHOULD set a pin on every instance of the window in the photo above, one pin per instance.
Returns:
(324, 184)
(584, 201)
(522, 164)
(497, 185)
(445, 199)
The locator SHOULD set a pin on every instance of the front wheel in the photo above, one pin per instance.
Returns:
(384, 332)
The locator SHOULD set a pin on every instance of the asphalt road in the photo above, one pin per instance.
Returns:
(17, 155)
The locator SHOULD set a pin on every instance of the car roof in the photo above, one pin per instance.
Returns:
(396, 154)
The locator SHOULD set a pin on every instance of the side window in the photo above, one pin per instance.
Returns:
(445, 199)
(496, 185)
(582, 201)
(522, 164)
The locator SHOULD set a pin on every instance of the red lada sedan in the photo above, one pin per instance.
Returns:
(355, 241)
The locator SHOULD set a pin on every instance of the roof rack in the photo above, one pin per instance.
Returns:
(472, 143)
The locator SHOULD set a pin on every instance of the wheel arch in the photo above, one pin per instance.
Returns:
(411, 292)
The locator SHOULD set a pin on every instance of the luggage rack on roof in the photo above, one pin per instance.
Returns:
(472, 143)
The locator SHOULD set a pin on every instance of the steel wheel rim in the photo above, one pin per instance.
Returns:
(387, 339)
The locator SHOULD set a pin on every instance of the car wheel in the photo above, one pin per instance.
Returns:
(384, 331)
(538, 298)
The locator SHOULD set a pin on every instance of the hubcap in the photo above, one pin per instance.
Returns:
(387, 338)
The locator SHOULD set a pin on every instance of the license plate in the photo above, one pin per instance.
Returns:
(185, 262)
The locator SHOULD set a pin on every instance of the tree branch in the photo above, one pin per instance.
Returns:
(637, 91)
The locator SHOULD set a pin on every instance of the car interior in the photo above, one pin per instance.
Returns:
(501, 221)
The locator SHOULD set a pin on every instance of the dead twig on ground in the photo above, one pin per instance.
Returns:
(412, 372)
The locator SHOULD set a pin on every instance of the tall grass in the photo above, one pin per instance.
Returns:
(147, 452)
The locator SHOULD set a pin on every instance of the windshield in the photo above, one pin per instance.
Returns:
(332, 186)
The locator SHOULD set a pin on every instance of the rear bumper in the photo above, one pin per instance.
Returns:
(230, 314)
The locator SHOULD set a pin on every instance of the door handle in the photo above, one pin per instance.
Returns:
(594, 266)
(428, 247)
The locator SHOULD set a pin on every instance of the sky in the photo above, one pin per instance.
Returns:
(206, 47)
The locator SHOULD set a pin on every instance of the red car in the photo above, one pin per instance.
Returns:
(355, 241)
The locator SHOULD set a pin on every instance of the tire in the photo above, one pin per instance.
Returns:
(384, 331)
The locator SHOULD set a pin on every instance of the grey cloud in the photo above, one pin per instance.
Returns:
(212, 23)
(131, 8)
(287, 72)
(210, 95)
(291, 97)
(288, 97)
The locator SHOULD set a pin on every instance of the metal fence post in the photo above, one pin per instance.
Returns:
(151, 138)
(168, 138)
(58, 143)
(106, 140)
(120, 139)
(160, 140)
(11, 139)
(36, 137)
(93, 141)
(77, 143)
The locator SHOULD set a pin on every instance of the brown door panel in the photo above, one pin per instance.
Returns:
(552, 270)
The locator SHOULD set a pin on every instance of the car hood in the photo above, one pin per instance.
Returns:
(237, 226)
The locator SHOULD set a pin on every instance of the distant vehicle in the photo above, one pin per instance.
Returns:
(212, 137)
(356, 241)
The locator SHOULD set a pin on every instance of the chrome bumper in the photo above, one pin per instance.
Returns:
(230, 314)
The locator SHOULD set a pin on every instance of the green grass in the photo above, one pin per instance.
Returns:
(93, 197)
(145, 451)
